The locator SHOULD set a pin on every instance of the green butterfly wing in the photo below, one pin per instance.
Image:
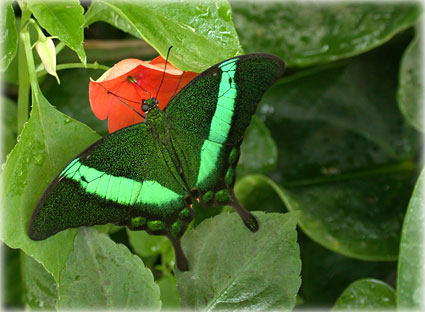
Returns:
(124, 178)
(210, 114)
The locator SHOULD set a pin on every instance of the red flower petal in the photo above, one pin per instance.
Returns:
(107, 94)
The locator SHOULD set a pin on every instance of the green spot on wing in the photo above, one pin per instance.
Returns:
(122, 190)
(102, 187)
(209, 155)
(126, 190)
(138, 222)
(221, 121)
(113, 189)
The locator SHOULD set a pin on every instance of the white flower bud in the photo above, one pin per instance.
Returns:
(46, 50)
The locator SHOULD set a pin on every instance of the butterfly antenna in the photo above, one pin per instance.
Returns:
(178, 84)
(120, 98)
(165, 68)
(132, 80)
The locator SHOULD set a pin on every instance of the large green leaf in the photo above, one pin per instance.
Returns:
(8, 36)
(345, 152)
(232, 268)
(325, 273)
(201, 35)
(48, 142)
(63, 19)
(410, 90)
(411, 264)
(101, 274)
(336, 271)
(304, 33)
(366, 294)
(40, 287)
(258, 149)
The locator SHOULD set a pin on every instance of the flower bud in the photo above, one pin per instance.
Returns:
(46, 50)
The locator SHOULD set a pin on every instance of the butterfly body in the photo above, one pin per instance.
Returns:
(149, 175)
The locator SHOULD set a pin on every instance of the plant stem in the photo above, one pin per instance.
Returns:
(23, 78)
(42, 72)
(25, 38)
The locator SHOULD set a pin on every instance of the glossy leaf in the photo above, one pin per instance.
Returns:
(40, 286)
(105, 275)
(410, 282)
(9, 35)
(410, 90)
(201, 35)
(37, 158)
(169, 295)
(345, 152)
(304, 33)
(258, 149)
(257, 192)
(325, 273)
(232, 268)
(63, 19)
(366, 294)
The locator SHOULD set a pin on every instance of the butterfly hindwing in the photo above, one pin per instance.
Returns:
(214, 110)
(116, 180)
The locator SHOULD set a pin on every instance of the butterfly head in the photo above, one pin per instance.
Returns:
(148, 104)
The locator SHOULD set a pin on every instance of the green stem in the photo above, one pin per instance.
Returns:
(25, 38)
(23, 78)
(42, 72)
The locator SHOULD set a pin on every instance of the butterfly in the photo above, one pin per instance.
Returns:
(148, 176)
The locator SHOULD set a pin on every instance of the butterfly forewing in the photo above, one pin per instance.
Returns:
(123, 175)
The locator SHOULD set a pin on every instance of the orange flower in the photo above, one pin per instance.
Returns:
(133, 80)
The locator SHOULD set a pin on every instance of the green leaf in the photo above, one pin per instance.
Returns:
(109, 272)
(146, 245)
(410, 283)
(410, 90)
(257, 192)
(40, 286)
(64, 19)
(304, 34)
(366, 294)
(201, 35)
(325, 273)
(169, 296)
(232, 268)
(8, 126)
(72, 97)
(346, 154)
(47, 143)
(258, 149)
(9, 35)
